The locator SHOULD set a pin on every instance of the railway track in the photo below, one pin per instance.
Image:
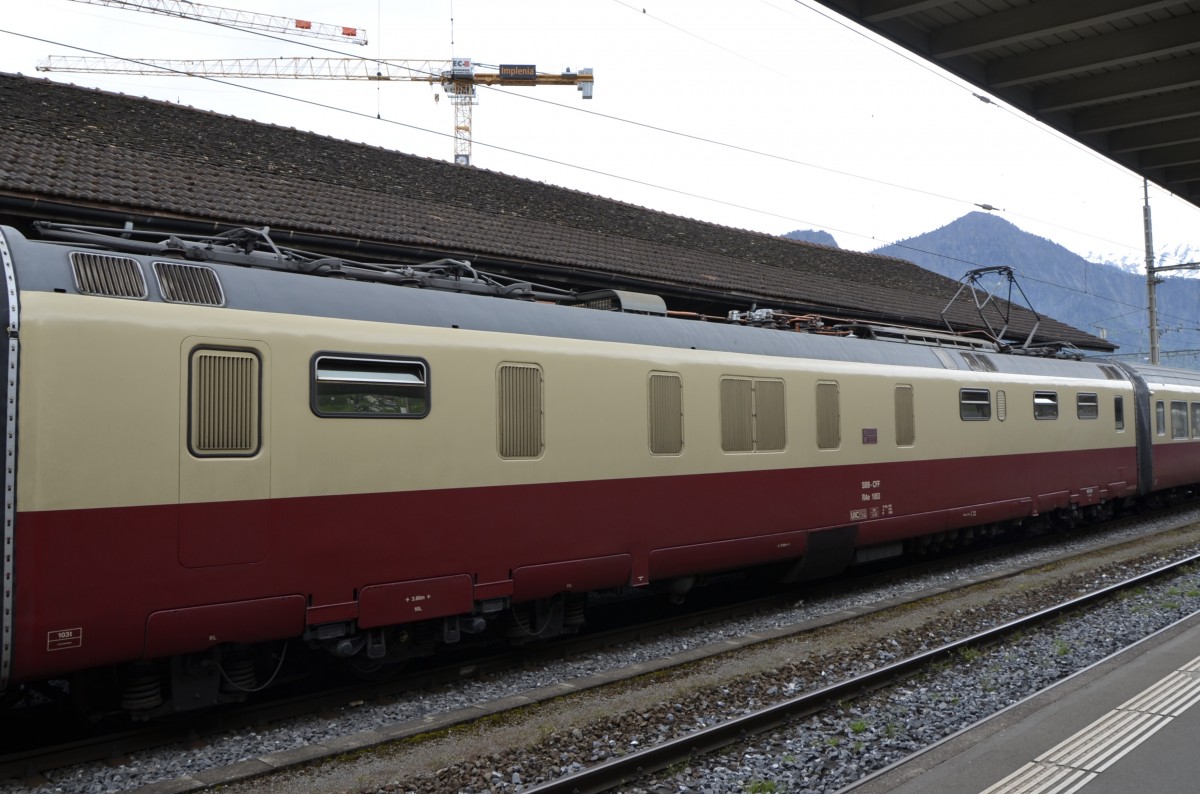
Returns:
(337, 700)
(29, 757)
(685, 749)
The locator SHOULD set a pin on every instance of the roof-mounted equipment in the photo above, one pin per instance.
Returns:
(250, 247)
(988, 305)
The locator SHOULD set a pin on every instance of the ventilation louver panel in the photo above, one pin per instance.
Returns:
(666, 414)
(829, 416)
(104, 274)
(180, 283)
(225, 403)
(769, 411)
(520, 411)
(737, 415)
(906, 419)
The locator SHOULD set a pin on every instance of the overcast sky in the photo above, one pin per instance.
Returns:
(770, 115)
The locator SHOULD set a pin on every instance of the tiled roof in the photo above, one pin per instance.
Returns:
(98, 150)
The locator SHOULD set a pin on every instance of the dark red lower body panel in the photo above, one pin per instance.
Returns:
(124, 584)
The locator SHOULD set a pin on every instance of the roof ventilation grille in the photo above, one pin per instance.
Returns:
(113, 276)
(189, 284)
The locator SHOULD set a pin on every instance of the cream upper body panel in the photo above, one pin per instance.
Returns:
(104, 407)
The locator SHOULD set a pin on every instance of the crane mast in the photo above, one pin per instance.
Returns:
(242, 20)
(457, 77)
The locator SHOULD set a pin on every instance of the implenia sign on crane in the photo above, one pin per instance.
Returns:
(458, 77)
(242, 20)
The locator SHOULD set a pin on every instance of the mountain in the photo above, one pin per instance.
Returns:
(1164, 255)
(820, 237)
(1102, 299)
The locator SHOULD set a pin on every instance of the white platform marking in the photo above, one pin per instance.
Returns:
(1071, 765)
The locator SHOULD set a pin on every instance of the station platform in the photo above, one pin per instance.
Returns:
(1128, 725)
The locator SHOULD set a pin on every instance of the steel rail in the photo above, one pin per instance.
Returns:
(617, 771)
(36, 758)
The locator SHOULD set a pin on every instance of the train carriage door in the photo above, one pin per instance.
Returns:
(1141, 427)
(224, 462)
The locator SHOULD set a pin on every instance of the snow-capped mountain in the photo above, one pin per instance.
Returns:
(1059, 283)
(1165, 255)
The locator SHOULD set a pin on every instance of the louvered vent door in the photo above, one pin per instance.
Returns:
(224, 460)
(183, 283)
(105, 274)
(666, 413)
(737, 415)
(225, 403)
(519, 400)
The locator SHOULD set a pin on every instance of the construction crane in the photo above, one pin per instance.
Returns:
(243, 20)
(458, 77)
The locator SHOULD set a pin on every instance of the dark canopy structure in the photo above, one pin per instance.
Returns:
(1119, 76)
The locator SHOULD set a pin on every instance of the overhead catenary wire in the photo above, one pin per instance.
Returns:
(698, 138)
(599, 172)
(733, 147)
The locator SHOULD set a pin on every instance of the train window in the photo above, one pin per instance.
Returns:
(829, 416)
(369, 387)
(945, 358)
(224, 403)
(1119, 413)
(974, 404)
(1179, 419)
(1045, 405)
(1195, 420)
(521, 416)
(1160, 418)
(666, 413)
(1087, 406)
(752, 415)
(978, 362)
(906, 422)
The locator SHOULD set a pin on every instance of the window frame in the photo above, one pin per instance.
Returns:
(1179, 420)
(1045, 405)
(315, 381)
(1087, 406)
(983, 410)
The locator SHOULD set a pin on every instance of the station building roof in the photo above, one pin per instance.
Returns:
(82, 155)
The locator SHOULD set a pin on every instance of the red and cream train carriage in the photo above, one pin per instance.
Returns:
(205, 457)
